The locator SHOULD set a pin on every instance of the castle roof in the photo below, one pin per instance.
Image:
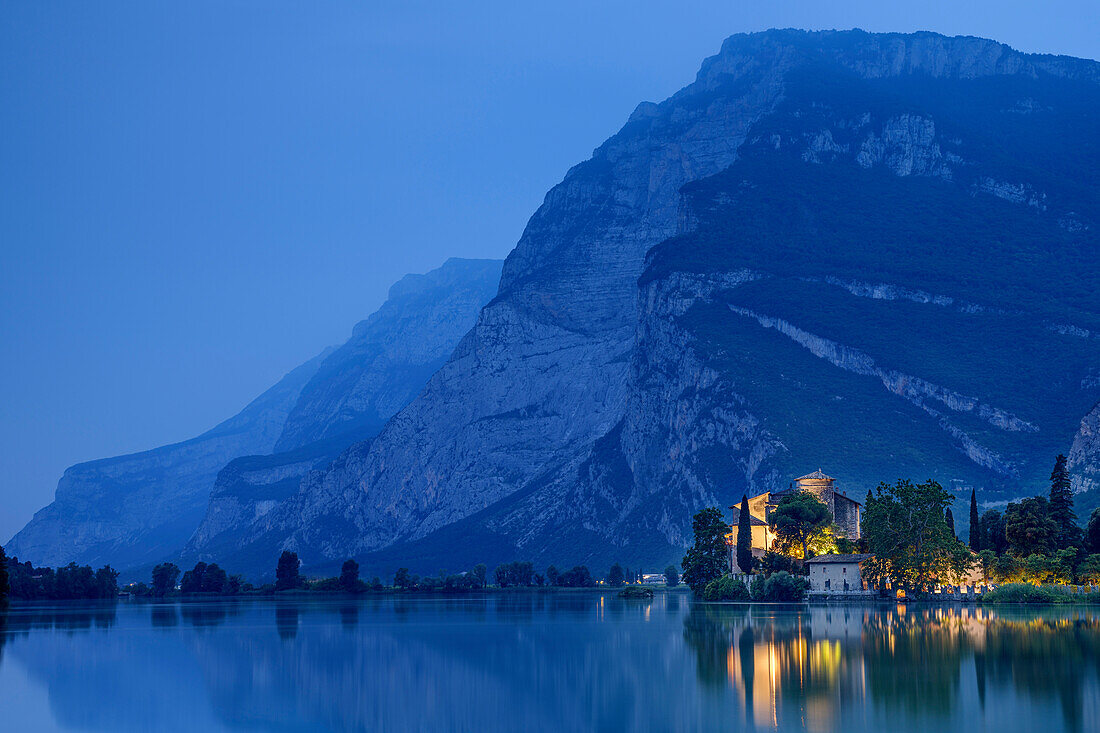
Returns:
(839, 558)
(816, 476)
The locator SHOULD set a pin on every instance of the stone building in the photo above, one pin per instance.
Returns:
(845, 510)
(837, 574)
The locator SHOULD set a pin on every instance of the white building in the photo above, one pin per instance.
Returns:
(837, 574)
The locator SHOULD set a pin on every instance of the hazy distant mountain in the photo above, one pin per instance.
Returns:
(380, 369)
(874, 253)
(142, 508)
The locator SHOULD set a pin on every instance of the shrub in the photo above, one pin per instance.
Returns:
(782, 587)
(726, 588)
(636, 592)
(757, 587)
(1028, 593)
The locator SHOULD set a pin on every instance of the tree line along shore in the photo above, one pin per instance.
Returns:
(1033, 552)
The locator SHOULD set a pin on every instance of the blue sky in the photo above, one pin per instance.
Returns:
(196, 197)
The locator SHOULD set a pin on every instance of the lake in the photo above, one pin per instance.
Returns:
(546, 662)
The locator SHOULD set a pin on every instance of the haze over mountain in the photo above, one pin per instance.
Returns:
(142, 508)
(869, 252)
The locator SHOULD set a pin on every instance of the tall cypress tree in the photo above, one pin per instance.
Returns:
(744, 537)
(1061, 504)
(950, 519)
(975, 531)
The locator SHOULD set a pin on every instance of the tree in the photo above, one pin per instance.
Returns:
(1089, 569)
(5, 584)
(1029, 528)
(707, 558)
(672, 577)
(744, 537)
(906, 529)
(349, 576)
(1061, 506)
(164, 578)
(552, 575)
(214, 579)
(615, 576)
(480, 573)
(798, 519)
(192, 579)
(992, 530)
(975, 528)
(1092, 535)
(286, 572)
(950, 519)
(726, 588)
(401, 579)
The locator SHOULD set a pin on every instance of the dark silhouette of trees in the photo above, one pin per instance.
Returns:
(287, 576)
(744, 537)
(402, 580)
(349, 576)
(204, 578)
(992, 530)
(1092, 534)
(164, 578)
(950, 519)
(577, 577)
(615, 577)
(480, 573)
(5, 585)
(672, 576)
(515, 574)
(708, 557)
(1061, 506)
(1029, 527)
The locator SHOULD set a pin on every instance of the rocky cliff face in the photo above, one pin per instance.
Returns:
(139, 509)
(380, 369)
(1084, 455)
(806, 257)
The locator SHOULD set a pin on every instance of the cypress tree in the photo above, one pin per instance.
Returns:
(744, 537)
(1061, 504)
(975, 530)
(950, 519)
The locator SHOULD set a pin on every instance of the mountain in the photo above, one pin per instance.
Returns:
(139, 509)
(379, 370)
(869, 252)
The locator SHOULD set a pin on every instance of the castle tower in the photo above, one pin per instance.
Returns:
(821, 486)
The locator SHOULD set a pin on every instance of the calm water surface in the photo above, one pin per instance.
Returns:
(546, 662)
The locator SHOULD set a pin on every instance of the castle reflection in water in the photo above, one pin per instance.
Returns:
(824, 667)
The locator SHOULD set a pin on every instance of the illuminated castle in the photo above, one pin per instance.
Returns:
(845, 510)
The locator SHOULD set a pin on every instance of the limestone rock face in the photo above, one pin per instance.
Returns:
(1084, 456)
(688, 315)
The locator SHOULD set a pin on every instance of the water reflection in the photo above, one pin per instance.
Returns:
(554, 662)
(814, 668)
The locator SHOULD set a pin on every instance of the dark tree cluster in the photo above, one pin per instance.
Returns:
(515, 574)
(72, 582)
(1037, 539)
(577, 577)
(471, 580)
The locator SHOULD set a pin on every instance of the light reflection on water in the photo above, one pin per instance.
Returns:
(547, 661)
